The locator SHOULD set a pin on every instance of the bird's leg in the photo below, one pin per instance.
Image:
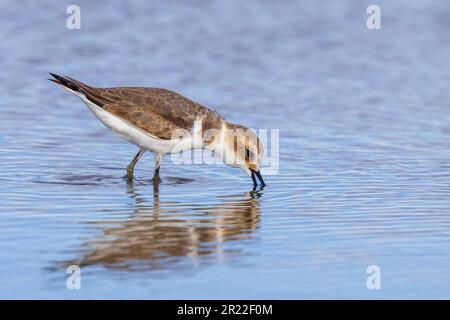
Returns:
(130, 167)
(158, 159)
(254, 181)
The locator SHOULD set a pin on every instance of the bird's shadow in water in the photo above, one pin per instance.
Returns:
(160, 233)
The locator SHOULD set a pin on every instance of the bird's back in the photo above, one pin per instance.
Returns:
(154, 110)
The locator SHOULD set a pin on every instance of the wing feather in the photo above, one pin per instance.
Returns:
(154, 110)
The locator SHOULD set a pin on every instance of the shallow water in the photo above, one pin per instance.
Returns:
(364, 152)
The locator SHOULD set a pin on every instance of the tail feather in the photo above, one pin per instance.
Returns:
(91, 93)
(65, 82)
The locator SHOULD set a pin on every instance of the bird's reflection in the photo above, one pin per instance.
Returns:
(161, 233)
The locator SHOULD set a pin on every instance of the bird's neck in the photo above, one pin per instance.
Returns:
(223, 142)
(215, 140)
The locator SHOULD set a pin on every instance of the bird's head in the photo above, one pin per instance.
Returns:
(243, 149)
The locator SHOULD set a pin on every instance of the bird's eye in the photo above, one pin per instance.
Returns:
(249, 154)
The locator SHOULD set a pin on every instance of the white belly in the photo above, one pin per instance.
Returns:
(132, 133)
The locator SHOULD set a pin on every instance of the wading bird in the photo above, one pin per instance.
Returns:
(151, 117)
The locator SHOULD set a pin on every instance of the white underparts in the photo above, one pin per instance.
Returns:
(139, 137)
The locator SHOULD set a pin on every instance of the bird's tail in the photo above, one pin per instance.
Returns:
(79, 87)
(66, 82)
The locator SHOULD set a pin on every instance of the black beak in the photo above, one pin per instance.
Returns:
(257, 174)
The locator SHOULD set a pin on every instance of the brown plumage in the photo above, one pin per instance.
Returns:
(153, 110)
(149, 118)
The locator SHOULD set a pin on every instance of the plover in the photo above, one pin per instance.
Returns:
(151, 117)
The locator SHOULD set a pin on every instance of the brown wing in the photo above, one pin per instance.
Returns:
(158, 110)
(154, 110)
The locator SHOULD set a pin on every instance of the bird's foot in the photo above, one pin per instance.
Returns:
(128, 176)
(156, 179)
(130, 171)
